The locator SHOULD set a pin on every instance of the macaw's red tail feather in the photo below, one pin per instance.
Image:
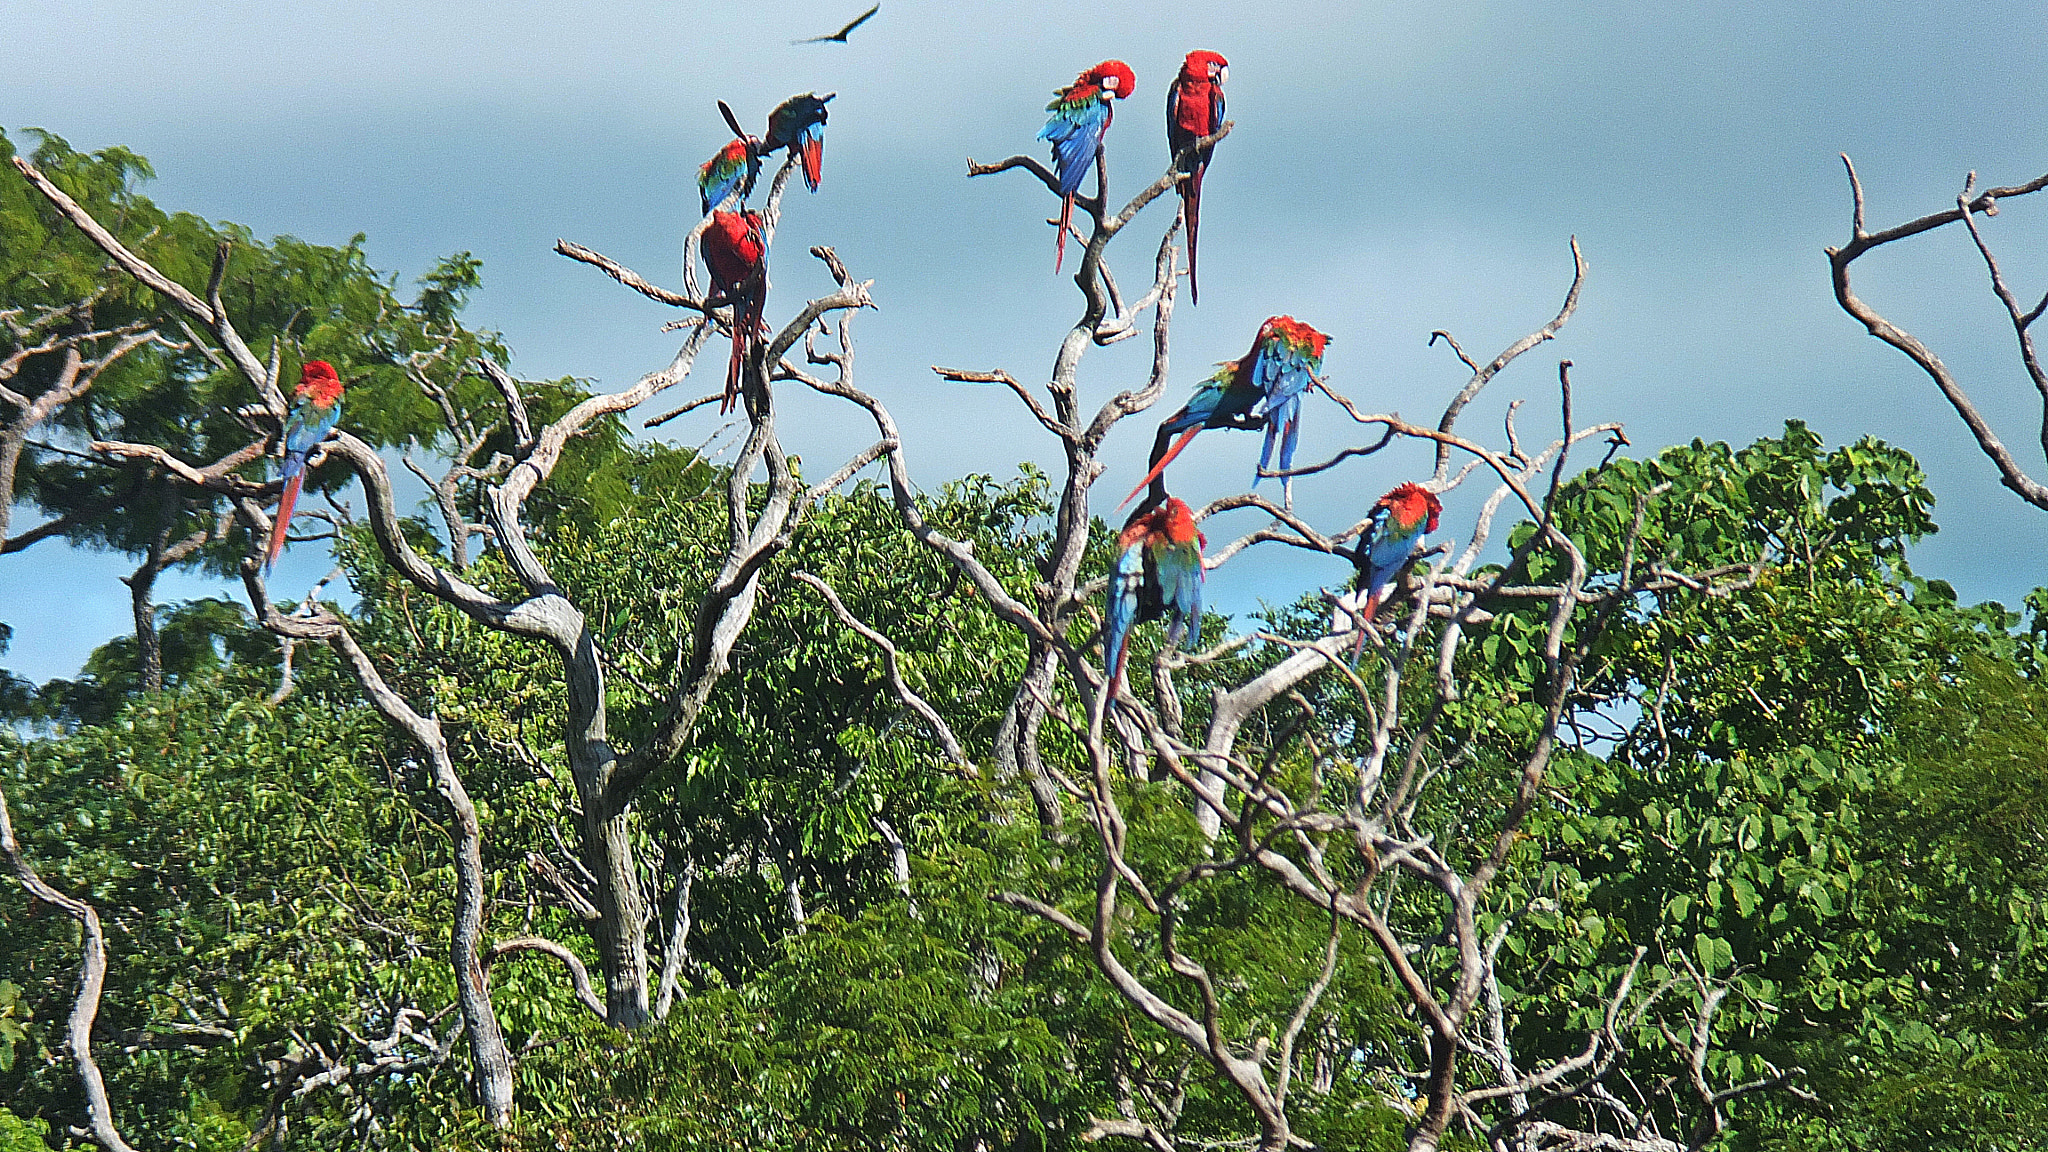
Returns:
(732, 370)
(283, 518)
(1362, 625)
(1163, 462)
(814, 162)
(1191, 193)
(1060, 246)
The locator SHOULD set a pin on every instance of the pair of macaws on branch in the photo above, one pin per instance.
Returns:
(736, 242)
(1157, 572)
(1081, 115)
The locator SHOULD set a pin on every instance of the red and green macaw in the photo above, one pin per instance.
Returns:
(1393, 536)
(1261, 390)
(732, 170)
(736, 251)
(1194, 109)
(1081, 113)
(798, 126)
(314, 414)
(1158, 572)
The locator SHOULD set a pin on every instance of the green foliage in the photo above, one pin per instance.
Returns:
(18, 1135)
(250, 860)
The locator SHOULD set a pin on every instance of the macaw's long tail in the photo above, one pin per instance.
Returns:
(1060, 246)
(1362, 624)
(1116, 676)
(746, 332)
(1191, 198)
(812, 150)
(1160, 465)
(740, 329)
(283, 519)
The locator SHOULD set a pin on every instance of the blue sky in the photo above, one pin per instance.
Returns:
(1397, 168)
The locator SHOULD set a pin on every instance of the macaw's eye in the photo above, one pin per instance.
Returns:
(1109, 82)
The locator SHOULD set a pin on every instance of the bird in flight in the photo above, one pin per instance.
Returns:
(840, 36)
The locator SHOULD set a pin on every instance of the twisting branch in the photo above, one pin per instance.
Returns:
(207, 313)
(579, 977)
(1481, 376)
(84, 356)
(487, 1040)
(92, 977)
(2011, 473)
(941, 731)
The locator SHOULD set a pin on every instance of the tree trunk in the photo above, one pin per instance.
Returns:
(149, 653)
(620, 931)
(486, 1039)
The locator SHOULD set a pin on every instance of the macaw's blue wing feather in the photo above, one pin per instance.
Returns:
(733, 169)
(1074, 131)
(1391, 545)
(1283, 428)
(1179, 569)
(307, 426)
(1207, 401)
(1126, 586)
(1282, 375)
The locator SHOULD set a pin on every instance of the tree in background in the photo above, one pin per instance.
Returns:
(97, 356)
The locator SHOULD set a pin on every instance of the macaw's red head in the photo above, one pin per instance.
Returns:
(1299, 338)
(1173, 521)
(1410, 503)
(1112, 76)
(318, 383)
(1200, 66)
(1178, 521)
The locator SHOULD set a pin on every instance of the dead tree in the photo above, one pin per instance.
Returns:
(1342, 859)
(1970, 204)
(614, 905)
(92, 978)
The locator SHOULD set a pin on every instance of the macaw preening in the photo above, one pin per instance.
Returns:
(1081, 113)
(732, 170)
(736, 251)
(1263, 389)
(314, 413)
(1194, 109)
(1393, 536)
(1158, 572)
(798, 125)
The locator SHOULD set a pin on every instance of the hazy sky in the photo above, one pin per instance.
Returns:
(1397, 168)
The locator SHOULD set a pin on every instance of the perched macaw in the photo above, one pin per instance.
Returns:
(314, 414)
(1194, 109)
(1393, 535)
(736, 251)
(1263, 389)
(1081, 113)
(798, 125)
(732, 170)
(1158, 573)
